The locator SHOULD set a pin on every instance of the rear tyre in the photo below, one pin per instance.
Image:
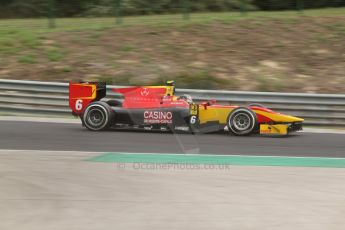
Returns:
(98, 116)
(242, 122)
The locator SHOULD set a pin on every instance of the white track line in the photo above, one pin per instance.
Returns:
(42, 119)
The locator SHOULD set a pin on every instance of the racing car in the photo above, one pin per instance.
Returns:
(158, 108)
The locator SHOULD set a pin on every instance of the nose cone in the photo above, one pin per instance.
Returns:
(296, 119)
(288, 119)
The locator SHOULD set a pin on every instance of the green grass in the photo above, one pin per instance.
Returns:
(8, 46)
(196, 80)
(13, 41)
(55, 55)
(266, 85)
(27, 59)
(27, 40)
(337, 28)
(67, 69)
(30, 31)
(78, 24)
(127, 48)
(19, 34)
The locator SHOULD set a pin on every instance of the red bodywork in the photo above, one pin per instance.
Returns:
(146, 97)
(80, 95)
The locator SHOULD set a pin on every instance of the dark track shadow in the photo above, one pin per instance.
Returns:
(219, 133)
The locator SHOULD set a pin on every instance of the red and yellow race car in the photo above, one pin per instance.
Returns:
(158, 108)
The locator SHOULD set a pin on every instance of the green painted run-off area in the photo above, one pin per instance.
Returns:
(220, 159)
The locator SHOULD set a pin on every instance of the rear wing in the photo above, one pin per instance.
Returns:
(83, 93)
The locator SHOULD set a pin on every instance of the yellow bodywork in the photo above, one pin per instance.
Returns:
(281, 129)
(211, 113)
(220, 114)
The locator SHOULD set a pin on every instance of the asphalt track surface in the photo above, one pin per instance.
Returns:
(21, 135)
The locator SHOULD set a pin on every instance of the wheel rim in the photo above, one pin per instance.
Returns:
(95, 118)
(241, 122)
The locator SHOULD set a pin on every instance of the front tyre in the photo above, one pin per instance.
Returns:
(98, 116)
(242, 122)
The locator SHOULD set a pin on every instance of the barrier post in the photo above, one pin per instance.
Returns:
(51, 14)
(185, 9)
(243, 8)
(118, 14)
(300, 6)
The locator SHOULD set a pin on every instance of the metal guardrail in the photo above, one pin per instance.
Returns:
(51, 99)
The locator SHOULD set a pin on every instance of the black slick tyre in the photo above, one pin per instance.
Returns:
(242, 121)
(98, 116)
